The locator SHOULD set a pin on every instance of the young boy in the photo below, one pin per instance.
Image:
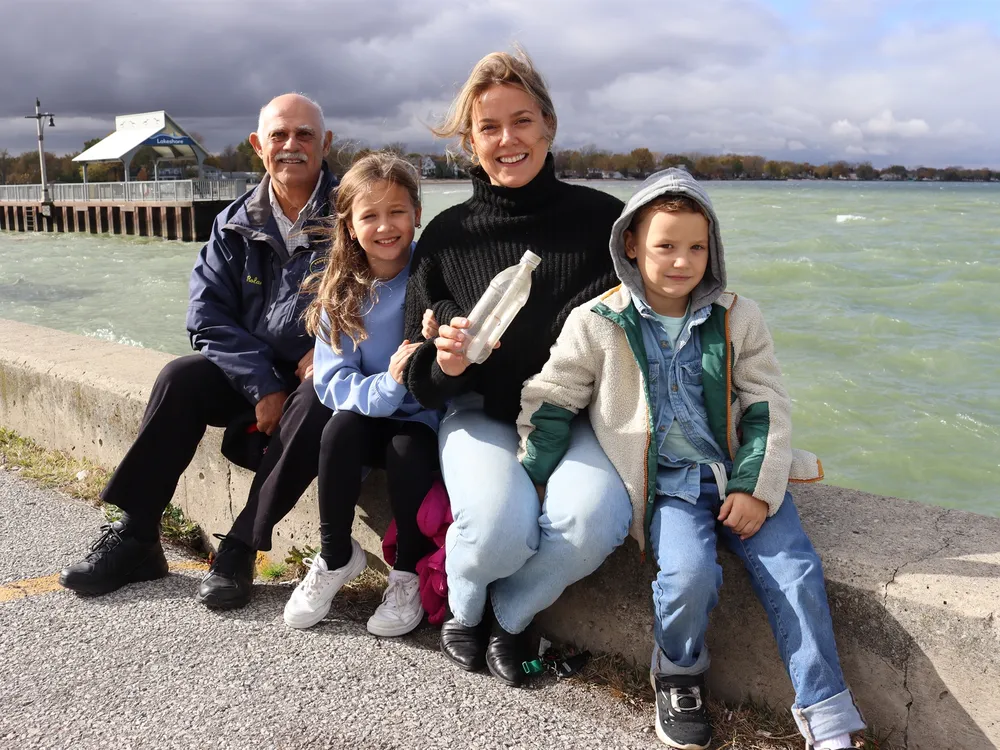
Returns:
(684, 393)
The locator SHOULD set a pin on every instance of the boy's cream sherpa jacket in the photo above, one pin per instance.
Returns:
(599, 363)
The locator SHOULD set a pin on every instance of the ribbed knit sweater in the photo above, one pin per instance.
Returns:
(465, 246)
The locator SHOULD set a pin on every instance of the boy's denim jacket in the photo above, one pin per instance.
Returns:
(676, 392)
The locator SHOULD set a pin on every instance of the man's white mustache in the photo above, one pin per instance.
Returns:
(290, 156)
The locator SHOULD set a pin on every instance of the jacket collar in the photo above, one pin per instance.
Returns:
(619, 298)
(255, 219)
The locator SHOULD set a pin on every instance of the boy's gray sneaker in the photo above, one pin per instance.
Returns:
(681, 715)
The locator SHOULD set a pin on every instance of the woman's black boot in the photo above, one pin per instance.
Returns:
(464, 645)
(504, 657)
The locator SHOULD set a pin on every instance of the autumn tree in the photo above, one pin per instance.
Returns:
(865, 171)
(643, 161)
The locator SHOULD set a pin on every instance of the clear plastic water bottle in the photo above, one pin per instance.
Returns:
(506, 295)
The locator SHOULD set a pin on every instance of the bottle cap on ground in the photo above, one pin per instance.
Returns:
(531, 259)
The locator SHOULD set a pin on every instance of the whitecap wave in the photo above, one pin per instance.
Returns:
(106, 334)
(841, 218)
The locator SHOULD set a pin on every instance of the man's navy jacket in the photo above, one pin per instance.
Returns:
(245, 311)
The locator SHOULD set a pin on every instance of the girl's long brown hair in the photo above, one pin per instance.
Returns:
(345, 287)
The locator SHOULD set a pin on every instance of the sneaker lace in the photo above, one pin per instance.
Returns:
(316, 581)
(109, 539)
(230, 557)
(397, 592)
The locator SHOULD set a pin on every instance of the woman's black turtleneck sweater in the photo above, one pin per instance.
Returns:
(465, 246)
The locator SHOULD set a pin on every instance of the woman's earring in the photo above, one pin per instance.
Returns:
(417, 225)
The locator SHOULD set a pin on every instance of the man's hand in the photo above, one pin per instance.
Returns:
(428, 325)
(268, 411)
(450, 344)
(305, 366)
(397, 363)
(743, 513)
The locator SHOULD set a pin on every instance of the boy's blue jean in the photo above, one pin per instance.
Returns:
(526, 552)
(787, 578)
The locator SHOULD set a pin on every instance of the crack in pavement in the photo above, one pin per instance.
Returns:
(947, 543)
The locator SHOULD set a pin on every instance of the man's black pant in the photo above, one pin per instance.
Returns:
(191, 393)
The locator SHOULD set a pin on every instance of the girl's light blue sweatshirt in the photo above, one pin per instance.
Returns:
(358, 379)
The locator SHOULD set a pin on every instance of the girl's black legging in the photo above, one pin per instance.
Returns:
(408, 453)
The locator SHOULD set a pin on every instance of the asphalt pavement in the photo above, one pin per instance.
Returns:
(148, 667)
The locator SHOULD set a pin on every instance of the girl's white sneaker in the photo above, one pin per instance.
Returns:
(310, 602)
(400, 610)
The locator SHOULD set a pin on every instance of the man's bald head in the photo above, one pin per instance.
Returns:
(292, 140)
(284, 100)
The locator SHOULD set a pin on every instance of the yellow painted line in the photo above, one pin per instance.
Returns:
(48, 584)
(190, 565)
(29, 587)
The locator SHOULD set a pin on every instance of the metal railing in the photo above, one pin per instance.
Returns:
(163, 191)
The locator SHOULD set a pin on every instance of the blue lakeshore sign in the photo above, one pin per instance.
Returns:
(168, 140)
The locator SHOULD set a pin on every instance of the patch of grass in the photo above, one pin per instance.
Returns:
(176, 528)
(83, 479)
(360, 597)
(621, 677)
(52, 469)
(272, 571)
(297, 559)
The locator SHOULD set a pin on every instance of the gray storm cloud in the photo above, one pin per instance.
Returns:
(716, 75)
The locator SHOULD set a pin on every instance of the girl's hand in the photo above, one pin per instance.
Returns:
(743, 513)
(398, 361)
(450, 344)
(429, 325)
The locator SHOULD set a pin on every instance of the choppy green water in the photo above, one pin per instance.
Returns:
(884, 302)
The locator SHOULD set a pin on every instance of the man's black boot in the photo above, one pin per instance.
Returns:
(504, 657)
(229, 581)
(464, 645)
(681, 714)
(117, 557)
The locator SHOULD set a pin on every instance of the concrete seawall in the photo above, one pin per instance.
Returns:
(914, 589)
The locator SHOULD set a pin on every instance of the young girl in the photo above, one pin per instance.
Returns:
(357, 318)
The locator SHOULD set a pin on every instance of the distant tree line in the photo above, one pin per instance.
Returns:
(586, 162)
(640, 162)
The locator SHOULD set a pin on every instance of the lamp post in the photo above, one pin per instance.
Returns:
(38, 117)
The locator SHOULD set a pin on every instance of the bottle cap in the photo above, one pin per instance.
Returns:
(531, 259)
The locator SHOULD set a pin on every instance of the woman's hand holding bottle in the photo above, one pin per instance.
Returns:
(450, 344)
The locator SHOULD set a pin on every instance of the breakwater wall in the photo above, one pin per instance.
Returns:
(914, 589)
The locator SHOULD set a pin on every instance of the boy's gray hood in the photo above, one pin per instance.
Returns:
(671, 181)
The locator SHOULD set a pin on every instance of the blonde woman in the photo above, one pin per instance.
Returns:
(511, 544)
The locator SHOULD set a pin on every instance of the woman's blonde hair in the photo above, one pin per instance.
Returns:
(496, 68)
(345, 287)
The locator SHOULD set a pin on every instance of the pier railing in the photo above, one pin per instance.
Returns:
(163, 191)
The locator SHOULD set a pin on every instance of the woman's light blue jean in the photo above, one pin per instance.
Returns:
(503, 540)
(787, 578)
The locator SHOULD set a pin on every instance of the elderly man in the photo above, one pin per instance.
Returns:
(252, 373)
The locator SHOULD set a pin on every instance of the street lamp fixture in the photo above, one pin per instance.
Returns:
(38, 117)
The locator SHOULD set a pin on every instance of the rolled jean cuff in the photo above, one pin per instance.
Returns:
(662, 666)
(828, 718)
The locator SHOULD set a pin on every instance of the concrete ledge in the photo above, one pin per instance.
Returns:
(914, 589)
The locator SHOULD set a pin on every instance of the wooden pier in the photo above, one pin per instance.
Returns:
(191, 222)
(177, 210)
